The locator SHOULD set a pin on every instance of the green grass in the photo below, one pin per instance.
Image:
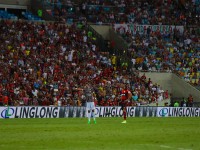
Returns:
(107, 134)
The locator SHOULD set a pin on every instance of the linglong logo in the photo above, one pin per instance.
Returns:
(97, 111)
(163, 112)
(6, 113)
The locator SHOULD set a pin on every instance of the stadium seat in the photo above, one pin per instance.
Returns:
(193, 81)
(198, 74)
(6, 15)
(69, 20)
(30, 16)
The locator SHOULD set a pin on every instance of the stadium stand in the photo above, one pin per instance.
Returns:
(6, 15)
(48, 62)
(166, 12)
(31, 17)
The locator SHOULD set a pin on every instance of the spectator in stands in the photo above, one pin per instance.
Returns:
(183, 102)
(1, 100)
(129, 11)
(46, 59)
(190, 101)
(170, 42)
(176, 104)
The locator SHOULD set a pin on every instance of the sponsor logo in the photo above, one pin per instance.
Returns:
(97, 111)
(113, 112)
(184, 112)
(163, 112)
(37, 112)
(7, 112)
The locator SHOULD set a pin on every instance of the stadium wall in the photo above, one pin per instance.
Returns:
(107, 32)
(162, 78)
(80, 112)
(15, 2)
(103, 30)
(182, 88)
(35, 5)
(174, 84)
(120, 43)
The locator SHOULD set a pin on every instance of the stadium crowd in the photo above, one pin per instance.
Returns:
(174, 51)
(47, 63)
(165, 12)
(157, 51)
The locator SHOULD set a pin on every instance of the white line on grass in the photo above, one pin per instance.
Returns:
(165, 146)
(183, 149)
(155, 145)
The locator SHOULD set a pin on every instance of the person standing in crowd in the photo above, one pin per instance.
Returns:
(90, 106)
(126, 96)
(1, 100)
(176, 104)
(183, 102)
(190, 101)
(5, 100)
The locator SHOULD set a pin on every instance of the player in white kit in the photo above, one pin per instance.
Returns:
(90, 106)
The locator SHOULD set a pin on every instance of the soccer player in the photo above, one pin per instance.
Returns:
(90, 106)
(125, 98)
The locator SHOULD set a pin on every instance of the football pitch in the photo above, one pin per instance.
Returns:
(107, 134)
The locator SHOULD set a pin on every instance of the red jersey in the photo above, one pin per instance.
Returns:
(5, 100)
(1, 99)
(125, 94)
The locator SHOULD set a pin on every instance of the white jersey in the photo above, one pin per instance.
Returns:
(88, 92)
(90, 106)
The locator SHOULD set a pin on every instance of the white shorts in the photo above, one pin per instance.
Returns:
(90, 106)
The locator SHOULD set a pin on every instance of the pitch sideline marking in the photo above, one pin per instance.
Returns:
(165, 146)
(183, 149)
